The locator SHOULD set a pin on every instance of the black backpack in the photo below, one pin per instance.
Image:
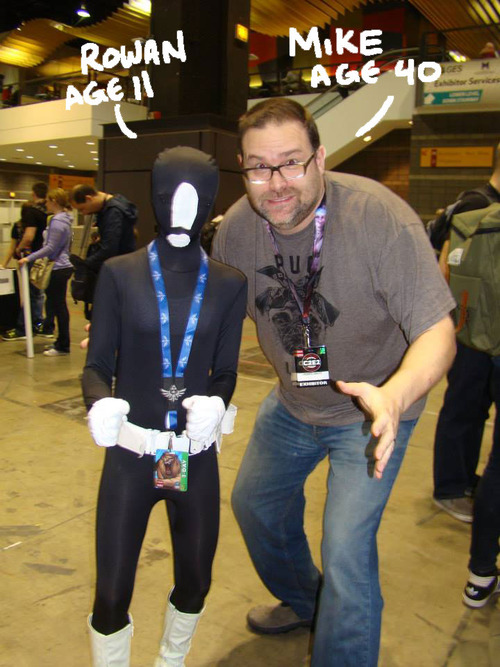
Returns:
(438, 230)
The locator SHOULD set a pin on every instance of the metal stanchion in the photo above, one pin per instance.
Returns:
(26, 302)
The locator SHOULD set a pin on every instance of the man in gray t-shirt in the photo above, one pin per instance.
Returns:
(353, 314)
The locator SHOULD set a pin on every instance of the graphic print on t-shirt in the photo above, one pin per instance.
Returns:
(279, 304)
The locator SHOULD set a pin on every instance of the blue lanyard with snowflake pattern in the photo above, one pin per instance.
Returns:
(173, 382)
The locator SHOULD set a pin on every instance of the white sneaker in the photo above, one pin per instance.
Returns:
(52, 352)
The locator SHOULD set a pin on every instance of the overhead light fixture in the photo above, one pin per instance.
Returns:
(60, 154)
(90, 143)
(53, 146)
(29, 157)
(71, 166)
(38, 162)
(20, 150)
(367, 138)
(83, 12)
(93, 152)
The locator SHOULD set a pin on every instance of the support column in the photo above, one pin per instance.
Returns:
(214, 78)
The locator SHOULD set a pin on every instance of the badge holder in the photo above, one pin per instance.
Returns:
(311, 364)
(171, 468)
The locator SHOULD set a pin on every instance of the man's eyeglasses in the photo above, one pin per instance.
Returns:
(289, 171)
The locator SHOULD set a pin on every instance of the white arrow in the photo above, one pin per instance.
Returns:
(377, 117)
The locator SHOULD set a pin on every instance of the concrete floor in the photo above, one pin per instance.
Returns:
(51, 471)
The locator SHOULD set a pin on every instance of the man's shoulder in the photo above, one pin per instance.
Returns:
(354, 185)
(33, 216)
(476, 198)
(364, 200)
(119, 204)
(235, 232)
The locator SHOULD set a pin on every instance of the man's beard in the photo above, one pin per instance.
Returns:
(300, 212)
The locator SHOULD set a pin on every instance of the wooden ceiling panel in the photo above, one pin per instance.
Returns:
(37, 40)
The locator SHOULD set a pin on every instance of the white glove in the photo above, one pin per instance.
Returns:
(204, 415)
(105, 419)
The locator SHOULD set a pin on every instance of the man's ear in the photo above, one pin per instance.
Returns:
(240, 159)
(320, 158)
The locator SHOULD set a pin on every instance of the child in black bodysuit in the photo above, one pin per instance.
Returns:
(128, 340)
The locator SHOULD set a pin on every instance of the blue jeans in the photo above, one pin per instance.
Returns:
(36, 304)
(268, 501)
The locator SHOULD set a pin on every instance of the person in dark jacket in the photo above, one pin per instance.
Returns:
(115, 217)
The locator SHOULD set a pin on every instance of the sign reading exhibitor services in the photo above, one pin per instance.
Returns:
(472, 82)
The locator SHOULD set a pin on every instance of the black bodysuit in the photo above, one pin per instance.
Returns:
(125, 342)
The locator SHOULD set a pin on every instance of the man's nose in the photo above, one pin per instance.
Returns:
(277, 181)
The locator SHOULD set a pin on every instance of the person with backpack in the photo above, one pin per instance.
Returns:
(474, 262)
(469, 395)
(115, 218)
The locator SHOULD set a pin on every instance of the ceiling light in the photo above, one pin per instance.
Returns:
(90, 143)
(71, 166)
(95, 158)
(29, 157)
(3, 159)
(143, 6)
(93, 152)
(38, 162)
(82, 12)
(60, 154)
(367, 138)
(53, 146)
(20, 150)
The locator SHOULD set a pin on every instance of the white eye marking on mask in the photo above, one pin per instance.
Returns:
(184, 206)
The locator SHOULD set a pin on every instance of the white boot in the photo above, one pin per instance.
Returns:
(178, 632)
(111, 650)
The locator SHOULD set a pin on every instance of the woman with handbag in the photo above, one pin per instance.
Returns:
(55, 252)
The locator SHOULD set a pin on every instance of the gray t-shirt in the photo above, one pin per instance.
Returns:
(378, 288)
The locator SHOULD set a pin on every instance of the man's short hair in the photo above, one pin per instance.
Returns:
(40, 189)
(278, 110)
(80, 192)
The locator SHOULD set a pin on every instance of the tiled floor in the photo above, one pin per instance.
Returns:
(51, 470)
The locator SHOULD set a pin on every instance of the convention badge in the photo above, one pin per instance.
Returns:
(311, 367)
(171, 470)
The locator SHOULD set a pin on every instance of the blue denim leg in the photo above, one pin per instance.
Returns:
(36, 305)
(350, 607)
(37, 299)
(268, 501)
